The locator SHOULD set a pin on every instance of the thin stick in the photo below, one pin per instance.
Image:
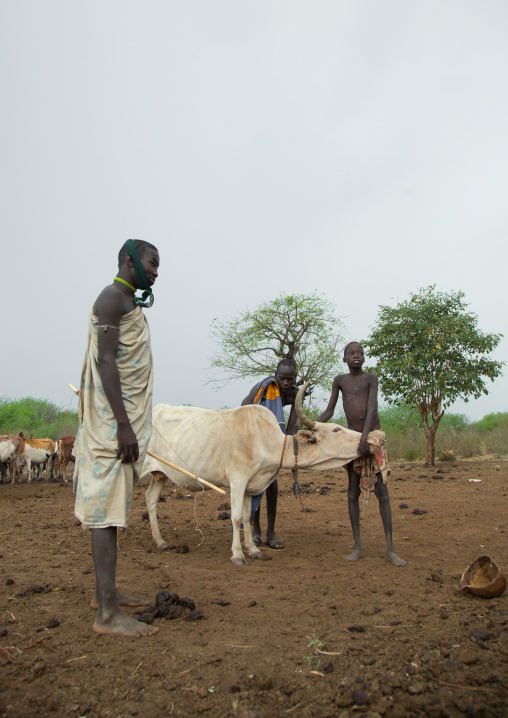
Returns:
(187, 473)
(327, 653)
(134, 671)
(292, 709)
(76, 391)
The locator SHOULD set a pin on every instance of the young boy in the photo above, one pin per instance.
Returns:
(274, 392)
(115, 411)
(359, 397)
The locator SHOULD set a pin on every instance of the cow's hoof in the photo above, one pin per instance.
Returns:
(163, 546)
(238, 561)
(256, 554)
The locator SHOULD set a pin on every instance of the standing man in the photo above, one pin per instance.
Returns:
(115, 411)
(359, 397)
(274, 393)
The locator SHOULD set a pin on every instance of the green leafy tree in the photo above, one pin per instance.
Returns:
(430, 352)
(301, 327)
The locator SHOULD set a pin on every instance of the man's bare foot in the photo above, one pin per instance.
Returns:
(393, 558)
(357, 553)
(123, 600)
(123, 625)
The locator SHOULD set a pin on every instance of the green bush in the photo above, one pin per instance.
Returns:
(39, 417)
(492, 421)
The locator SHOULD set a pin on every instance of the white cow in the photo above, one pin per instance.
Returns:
(9, 449)
(241, 448)
(36, 451)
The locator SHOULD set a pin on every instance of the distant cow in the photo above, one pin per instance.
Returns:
(35, 451)
(9, 450)
(242, 449)
(64, 448)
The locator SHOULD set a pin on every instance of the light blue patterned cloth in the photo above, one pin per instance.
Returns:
(103, 484)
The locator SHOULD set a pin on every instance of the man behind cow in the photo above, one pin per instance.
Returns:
(274, 392)
(115, 410)
(359, 397)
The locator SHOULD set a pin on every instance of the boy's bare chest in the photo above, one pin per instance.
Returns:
(354, 388)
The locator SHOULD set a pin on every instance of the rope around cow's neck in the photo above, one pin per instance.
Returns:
(296, 490)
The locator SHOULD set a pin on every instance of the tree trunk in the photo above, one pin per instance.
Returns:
(429, 449)
(430, 434)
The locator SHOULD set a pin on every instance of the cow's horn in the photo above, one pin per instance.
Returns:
(299, 408)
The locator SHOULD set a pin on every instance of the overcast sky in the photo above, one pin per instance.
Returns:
(354, 148)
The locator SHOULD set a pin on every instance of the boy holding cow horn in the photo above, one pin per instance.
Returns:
(359, 397)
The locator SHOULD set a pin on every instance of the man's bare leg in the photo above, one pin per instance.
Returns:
(272, 495)
(256, 526)
(385, 509)
(123, 600)
(353, 495)
(110, 618)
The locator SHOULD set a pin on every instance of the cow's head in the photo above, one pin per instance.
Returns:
(327, 445)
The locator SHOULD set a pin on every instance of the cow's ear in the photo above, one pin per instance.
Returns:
(307, 437)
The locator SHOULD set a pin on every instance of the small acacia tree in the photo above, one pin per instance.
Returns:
(301, 327)
(430, 352)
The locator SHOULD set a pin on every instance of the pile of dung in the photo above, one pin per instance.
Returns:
(170, 606)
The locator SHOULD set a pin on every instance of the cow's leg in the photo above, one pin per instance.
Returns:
(152, 497)
(237, 501)
(251, 547)
(29, 469)
(63, 468)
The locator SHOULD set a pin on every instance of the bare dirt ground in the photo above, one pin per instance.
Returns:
(400, 642)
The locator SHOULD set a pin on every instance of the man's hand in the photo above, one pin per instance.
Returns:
(364, 448)
(128, 449)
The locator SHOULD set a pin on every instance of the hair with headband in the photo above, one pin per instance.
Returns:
(136, 247)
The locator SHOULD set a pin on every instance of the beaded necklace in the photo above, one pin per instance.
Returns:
(119, 279)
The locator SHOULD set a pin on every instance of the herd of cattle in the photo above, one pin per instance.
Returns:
(18, 452)
(241, 449)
